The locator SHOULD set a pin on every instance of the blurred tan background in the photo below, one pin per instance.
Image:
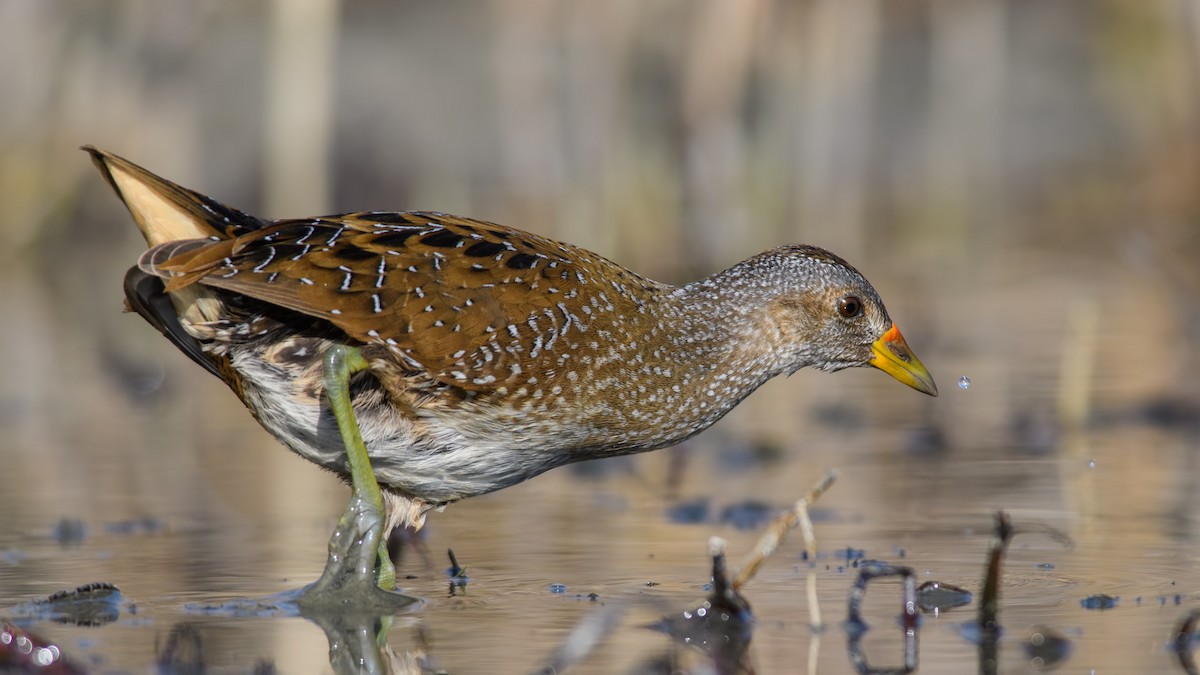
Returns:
(1020, 179)
(981, 147)
(673, 135)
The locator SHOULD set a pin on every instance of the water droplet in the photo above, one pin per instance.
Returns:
(558, 588)
(1091, 463)
(964, 382)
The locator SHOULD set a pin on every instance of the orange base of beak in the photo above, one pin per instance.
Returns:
(892, 356)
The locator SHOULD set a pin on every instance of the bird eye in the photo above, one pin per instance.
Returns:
(850, 307)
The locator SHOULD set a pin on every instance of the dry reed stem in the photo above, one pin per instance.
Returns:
(777, 530)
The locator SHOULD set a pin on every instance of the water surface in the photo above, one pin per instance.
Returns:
(123, 463)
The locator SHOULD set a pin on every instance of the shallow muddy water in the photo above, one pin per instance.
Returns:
(1018, 180)
(124, 464)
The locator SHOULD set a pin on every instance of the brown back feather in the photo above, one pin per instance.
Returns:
(448, 294)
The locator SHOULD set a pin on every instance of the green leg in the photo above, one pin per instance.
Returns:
(340, 363)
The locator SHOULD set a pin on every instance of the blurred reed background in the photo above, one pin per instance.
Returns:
(674, 136)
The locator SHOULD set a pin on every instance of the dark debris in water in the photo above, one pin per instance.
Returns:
(718, 630)
(745, 515)
(850, 554)
(690, 511)
(986, 631)
(1099, 601)
(856, 626)
(937, 596)
(1046, 648)
(868, 572)
(748, 515)
(457, 573)
(92, 604)
(721, 626)
(69, 531)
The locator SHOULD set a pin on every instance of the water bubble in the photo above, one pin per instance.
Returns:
(964, 382)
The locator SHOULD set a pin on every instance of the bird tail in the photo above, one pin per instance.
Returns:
(166, 212)
(173, 219)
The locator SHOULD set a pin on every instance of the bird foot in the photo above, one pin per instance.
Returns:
(350, 582)
(359, 574)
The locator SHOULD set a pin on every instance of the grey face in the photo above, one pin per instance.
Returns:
(830, 316)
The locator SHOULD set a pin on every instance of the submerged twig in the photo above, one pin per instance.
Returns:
(988, 621)
(777, 530)
(457, 573)
(868, 572)
(769, 542)
(856, 627)
(720, 626)
(989, 603)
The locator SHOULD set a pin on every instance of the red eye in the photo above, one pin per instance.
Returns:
(850, 307)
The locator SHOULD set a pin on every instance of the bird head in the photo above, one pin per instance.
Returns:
(829, 317)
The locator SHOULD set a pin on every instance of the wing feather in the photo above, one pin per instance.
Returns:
(478, 305)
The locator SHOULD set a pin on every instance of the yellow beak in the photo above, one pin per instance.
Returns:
(893, 357)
